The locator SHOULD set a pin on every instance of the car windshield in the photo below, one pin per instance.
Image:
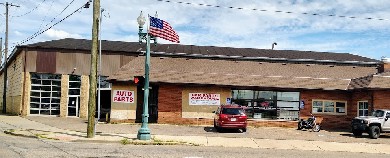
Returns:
(378, 113)
(232, 111)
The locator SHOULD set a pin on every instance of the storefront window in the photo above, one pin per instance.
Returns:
(242, 94)
(268, 104)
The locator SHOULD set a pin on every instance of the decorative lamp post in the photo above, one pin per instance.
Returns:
(144, 132)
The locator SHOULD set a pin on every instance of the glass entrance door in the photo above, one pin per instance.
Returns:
(73, 106)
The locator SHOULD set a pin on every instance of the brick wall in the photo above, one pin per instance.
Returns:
(328, 121)
(382, 99)
(356, 97)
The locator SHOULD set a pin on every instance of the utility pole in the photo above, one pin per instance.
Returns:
(1, 49)
(5, 56)
(93, 74)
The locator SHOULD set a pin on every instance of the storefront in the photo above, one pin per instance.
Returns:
(189, 82)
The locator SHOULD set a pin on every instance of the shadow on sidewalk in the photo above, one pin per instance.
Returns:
(213, 130)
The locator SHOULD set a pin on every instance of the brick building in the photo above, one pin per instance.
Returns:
(187, 82)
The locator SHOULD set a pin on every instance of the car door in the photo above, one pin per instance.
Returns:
(386, 124)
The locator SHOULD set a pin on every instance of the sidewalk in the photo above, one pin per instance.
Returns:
(19, 126)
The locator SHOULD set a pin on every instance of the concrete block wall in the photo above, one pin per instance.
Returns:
(26, 95)
(64, 95)
(84, 96)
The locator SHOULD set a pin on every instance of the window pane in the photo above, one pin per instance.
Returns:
(361, 105)
(340, 104)
(317, 109)
(74, 91)
(104, 83)
(35, 94)
(55, 100)
(46, 88)
(34, 111)
(329, 109)
(56, 83)
(317, 103)
(74, 84)
(35, 87)
(267, 95)
(56, 94)
(288, 96)
(74, 78)
(55, 112)
(38, 100)
(328, 104)
(45, 112)
(242, 94)
(55, 106)
(46, 82)
(35, 81)
(34, 105)
(54, 88)
(45, 94)
(45, 100)
(288, 105)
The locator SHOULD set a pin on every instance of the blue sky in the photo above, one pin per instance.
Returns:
(212, 26)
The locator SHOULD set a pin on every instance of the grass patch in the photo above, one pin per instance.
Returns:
(43, 136)
(155, 141)
(125, 141)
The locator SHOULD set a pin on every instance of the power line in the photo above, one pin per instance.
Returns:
(46, 15)
(276, 11)
(42, 31)
(40, 27)
(16, 16)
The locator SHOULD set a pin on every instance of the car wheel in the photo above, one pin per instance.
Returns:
(374, 132)
(244, 130)
(357, 133)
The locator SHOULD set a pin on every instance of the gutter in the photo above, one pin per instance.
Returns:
(263, 58)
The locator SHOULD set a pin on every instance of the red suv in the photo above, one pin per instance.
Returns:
(230, 116)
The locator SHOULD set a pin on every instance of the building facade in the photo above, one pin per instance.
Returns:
(277, 87)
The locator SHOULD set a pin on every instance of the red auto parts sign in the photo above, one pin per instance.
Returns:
(122, 96)
(204, 99)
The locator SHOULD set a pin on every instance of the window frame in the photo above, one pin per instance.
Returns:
(358, 107)
(323, 106)
(44, 84)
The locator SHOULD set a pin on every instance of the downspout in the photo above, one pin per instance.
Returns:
(372, 101)
(24, 82)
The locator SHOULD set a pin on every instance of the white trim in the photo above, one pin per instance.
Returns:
(358, 109)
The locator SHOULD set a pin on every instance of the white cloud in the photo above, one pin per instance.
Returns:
(59, 34)
(213, 26)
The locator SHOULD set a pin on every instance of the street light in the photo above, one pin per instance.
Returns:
(144, 132)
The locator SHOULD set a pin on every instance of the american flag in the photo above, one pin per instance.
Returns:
(162, 29)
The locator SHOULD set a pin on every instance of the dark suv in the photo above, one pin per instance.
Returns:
(230, 116)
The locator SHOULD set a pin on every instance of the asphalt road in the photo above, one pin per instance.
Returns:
(20, 147)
